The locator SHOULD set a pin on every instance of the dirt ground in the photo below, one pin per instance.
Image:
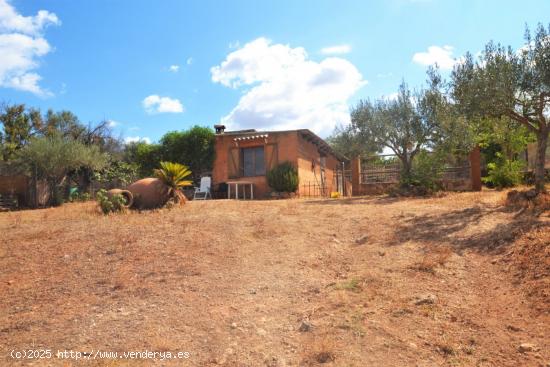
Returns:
(373, 281)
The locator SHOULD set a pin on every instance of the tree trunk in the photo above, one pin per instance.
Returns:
(86, 181)
(52, 186)
(406, 169)
(542, 143)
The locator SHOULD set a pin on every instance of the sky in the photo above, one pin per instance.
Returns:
(149, 67)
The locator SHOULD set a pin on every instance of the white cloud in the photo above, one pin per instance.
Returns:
(336, 50)
(157, 104)
(174, 68)
(21, 45)
(286, 90)
(189, 61)
(442, 56)
(137, 139)
(11, 21)
(112, 123)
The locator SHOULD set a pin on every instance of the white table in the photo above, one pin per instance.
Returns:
(244, 184)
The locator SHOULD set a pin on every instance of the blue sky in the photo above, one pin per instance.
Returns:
(155, 66)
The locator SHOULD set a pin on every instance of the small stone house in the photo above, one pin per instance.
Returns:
(247, 155)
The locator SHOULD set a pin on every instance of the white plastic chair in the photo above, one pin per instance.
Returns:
(202, 192)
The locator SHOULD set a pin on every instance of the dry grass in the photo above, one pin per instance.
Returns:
(433, 258)
(529, 261)
(528, 201)
(319, 350)
(353, 285)
(231, 282)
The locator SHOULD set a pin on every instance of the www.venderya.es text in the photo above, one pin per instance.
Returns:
(97, 354)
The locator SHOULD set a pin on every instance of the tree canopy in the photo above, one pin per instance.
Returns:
(506, 83)
(19, 125)
(54, 156)
(193, 148)
(146, 156)
(405, 125)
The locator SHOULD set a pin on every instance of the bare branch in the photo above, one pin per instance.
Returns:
(522, 119)
(396, 151)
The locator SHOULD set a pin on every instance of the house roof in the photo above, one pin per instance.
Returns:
(251, 137)
(320, 143)
(306, 134)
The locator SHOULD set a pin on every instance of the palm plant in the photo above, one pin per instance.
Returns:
(173, 175)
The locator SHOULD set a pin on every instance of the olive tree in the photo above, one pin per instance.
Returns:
(510, 83)
(346, 141)
(400, 125)
(52, 157)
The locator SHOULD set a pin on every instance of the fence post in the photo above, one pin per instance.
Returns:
(475, 168)
(355, 176)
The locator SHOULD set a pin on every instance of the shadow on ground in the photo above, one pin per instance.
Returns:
(377, 200)
(445, 228)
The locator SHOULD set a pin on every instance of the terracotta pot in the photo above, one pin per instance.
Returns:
(149, 193)
(125, 193)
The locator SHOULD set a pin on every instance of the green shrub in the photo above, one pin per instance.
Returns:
(58, 196)
(108, 204)
(426, 173)
(76, 196)
(283, 178)
(117, 172)
(504, 172)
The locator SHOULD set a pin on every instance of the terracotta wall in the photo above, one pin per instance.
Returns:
(310, 174)
(475, 170)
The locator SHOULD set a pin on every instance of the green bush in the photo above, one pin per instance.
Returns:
(426, 173)
(283, 178)
(117, 172)
(58, 196)
(108, 205)
(76, 196)
(504, 172)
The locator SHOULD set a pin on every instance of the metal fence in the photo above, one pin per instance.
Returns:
(311, 189)
(341, 180)
(457, 173)
(380, 169)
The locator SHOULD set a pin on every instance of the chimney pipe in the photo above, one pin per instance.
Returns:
(219, 129)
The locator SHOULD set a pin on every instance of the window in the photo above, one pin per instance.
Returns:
(252, 161)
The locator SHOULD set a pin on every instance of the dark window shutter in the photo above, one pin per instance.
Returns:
(233, 162)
